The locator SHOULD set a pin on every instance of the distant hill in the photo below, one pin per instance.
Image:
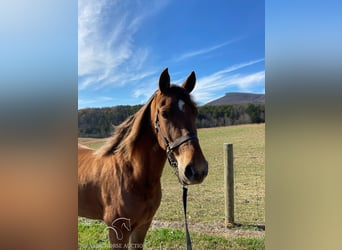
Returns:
(238, 98)
(232, 109)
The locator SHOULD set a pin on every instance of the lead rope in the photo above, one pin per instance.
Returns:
(188, 240)
(173, 164)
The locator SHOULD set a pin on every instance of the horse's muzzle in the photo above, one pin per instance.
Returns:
(196, 174)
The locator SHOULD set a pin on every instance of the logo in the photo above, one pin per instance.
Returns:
(120, 224)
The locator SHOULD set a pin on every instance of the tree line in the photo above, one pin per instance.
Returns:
(101, 122)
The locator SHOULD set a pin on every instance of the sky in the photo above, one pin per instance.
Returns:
(123, 46)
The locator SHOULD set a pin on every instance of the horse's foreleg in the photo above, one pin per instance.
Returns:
(138, 236)
(118, 241)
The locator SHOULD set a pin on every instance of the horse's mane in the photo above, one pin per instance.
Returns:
(127, 133)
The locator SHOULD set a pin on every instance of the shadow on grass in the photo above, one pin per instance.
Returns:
(249, 226)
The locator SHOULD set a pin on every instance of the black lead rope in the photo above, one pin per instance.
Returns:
(188, 240)
(170, 146)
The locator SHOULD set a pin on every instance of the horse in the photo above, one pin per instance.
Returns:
(120, 182)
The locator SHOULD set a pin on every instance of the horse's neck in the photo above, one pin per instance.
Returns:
(148, 158)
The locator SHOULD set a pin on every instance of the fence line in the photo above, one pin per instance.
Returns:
(244, 197)
(229, 184)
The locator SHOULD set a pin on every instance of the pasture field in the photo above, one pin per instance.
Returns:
(206, 201)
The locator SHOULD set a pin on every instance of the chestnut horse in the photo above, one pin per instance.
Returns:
(120, 182)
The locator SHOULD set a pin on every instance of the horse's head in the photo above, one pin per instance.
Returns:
(174, 115)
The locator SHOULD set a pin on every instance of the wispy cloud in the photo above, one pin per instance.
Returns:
(82, 103)
(110, 54)
(239, 66)
(211, 86)
(146, 89)
(202, 51)
(107, 54)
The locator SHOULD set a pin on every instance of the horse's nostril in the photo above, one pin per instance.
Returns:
(192, 174)
(189, 172)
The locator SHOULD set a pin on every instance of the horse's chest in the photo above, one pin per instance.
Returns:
(145, 205)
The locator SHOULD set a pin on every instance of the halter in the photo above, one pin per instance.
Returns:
(170, 146)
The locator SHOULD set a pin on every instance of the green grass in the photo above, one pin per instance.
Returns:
(206, 201)
(175, 239)
(93, 235)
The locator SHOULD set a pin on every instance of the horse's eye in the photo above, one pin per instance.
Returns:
(165, 114)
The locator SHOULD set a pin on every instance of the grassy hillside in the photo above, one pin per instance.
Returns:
(206, 201)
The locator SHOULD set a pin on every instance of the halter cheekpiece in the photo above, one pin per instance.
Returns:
(170, 146)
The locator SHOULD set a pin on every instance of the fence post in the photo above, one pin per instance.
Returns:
(229, 184)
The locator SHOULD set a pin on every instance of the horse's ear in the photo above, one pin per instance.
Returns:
(164, 81)
(189, 83)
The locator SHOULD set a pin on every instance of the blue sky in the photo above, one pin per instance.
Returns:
(123, 46)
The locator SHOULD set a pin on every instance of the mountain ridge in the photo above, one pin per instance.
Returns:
(238, 98)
